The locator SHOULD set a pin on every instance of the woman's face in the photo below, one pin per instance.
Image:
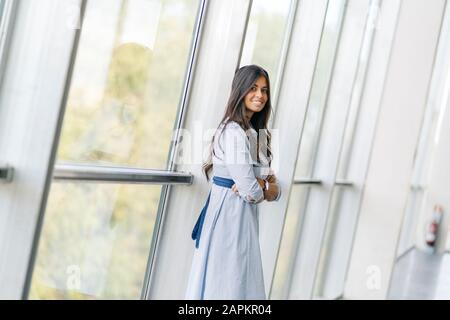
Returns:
(256, 98)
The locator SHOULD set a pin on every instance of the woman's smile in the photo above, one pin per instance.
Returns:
(258, 102)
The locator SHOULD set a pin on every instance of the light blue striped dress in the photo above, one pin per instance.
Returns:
(227, 265)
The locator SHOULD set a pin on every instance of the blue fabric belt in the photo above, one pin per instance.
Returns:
(223, 182)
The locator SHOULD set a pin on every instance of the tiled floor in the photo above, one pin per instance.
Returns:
(421, 275)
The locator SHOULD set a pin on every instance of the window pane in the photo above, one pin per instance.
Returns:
(320, 87)
(265, 34)
(2, 5)
(364, 49)
(328, 243)
(127, 82)
(288, 247)
(436, 107)
(410, 220)
(310, 140)
(3, 33)
(95, 241)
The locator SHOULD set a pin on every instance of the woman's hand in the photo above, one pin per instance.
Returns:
(235, 190)
(272, 193)
(271, 178)
(260, 181)
(273, 190)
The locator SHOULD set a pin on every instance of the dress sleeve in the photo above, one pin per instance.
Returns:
(239, 163)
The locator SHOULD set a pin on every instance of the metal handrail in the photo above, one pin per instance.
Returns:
(343, 183)
(308, 181)
(95, 173)
(6, 174)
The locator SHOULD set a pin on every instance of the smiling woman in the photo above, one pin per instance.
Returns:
(241, 181)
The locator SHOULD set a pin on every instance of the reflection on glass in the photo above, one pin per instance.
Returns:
(410, 220)
(124, 93)
(437, 104)
(358, 85)
(329, 238)
(127, 82)
(2, 5)
(3, 31)
(95, 241)
(265, 34)
(319, 91)
(308, 147)
(342, 214)
(288, 247)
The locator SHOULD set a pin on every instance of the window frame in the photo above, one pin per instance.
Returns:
(61, 172)
(7, 17)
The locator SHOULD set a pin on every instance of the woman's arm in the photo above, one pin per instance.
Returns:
(272, 193)
(239, 164)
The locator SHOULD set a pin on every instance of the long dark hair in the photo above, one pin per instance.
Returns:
(244, 79)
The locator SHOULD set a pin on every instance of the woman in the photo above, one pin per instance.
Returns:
(227, 261)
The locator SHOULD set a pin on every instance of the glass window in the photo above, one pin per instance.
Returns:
(289, 245)
(286, 260)
(428, 141)
(330, 236)
(5, 14)
(124, 95)
(343, 32)
(2, 5)
(95, 242)
(344, 205)
(319, 91)
(265, 35)
(127, 82)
